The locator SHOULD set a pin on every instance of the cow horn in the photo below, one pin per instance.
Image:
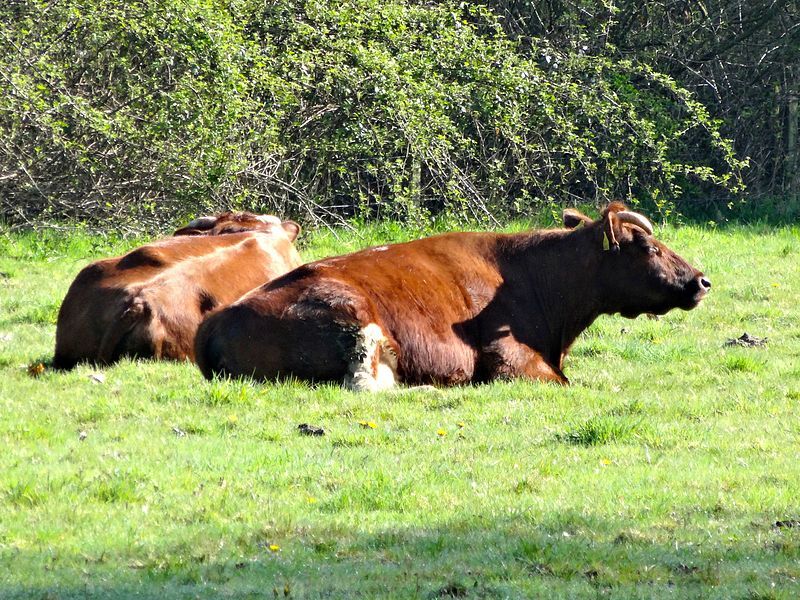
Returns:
(627, 216)
(269, 219)
(202, 223)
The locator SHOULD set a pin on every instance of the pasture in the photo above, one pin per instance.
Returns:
(669, 468)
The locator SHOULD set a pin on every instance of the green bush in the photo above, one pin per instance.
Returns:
(146, 112)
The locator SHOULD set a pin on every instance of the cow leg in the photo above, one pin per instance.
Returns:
(539, 369)
(309, 341)
(507, 359)
(374, 366)
(111, 346)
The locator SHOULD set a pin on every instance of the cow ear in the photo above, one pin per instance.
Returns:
(573, 218)
(292, 229)
(197, 226)
(187, 231)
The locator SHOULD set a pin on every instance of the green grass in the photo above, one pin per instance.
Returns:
(660, 472)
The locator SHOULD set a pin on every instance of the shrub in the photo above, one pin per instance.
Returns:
(150, 111)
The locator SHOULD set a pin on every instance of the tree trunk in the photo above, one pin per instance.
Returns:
(792, 148)
(415, 184)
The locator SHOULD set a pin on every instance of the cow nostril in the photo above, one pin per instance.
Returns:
(705, 283)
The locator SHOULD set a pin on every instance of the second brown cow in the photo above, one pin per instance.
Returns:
(149, 302)
(451, 309)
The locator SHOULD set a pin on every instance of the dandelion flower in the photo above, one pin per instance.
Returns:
(441, 432)
(274, 548)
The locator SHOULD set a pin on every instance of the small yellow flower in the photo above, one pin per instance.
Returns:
(441, 432)
(311, 499)
(460, 424)
(605, 461)
(274, 548)
(776, 285)
(368, 424)
(232, 419)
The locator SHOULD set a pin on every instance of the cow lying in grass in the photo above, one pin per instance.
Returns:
(149, 302)
(450, 309)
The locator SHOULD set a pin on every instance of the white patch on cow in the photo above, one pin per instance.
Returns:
(374, 367)
(380, 248)
(269, 219)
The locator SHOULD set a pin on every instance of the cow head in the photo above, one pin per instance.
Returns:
(636, 273)
(236, 222)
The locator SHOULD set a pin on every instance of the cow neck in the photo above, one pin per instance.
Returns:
(560, 268)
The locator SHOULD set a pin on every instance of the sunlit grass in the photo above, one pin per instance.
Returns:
(660, 472)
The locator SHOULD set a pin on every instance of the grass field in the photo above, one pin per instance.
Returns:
(669, 468)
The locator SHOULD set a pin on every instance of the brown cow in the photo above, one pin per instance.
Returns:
(450, 309)
(149, 302)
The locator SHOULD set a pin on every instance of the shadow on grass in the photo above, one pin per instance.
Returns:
(478, 558)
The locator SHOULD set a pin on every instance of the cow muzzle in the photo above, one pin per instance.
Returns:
(700, 286)
(703, 285)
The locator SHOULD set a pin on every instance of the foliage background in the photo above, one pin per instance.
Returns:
(140, 113)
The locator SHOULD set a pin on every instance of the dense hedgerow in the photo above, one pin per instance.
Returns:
(149, 111)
